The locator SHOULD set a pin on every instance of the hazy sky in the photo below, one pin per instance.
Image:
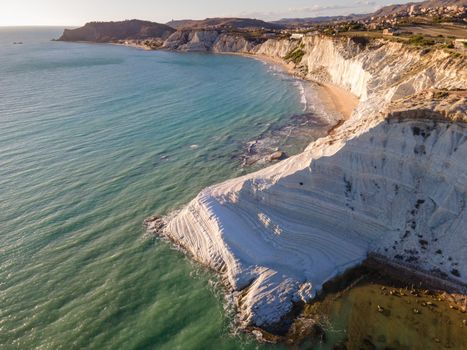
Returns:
(77, 12)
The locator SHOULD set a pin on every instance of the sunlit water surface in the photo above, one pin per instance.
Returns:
(94, 139)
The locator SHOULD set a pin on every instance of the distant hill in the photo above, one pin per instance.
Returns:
(140, 30)
(384, 11)
(293, 22)
(237, 23)
(399, 9)
(109, 31)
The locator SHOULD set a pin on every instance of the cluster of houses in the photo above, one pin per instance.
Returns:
(387, 23)
(458, 13)
(444, 11)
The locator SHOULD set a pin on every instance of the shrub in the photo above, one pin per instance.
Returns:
(295, 55)
(357, 26)
(420, 40)
(361, 41)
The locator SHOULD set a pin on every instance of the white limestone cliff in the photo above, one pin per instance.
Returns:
(392, 179)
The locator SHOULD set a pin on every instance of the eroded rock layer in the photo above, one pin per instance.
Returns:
(392, 179)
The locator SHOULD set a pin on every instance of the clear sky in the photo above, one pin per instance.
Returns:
(78, 12)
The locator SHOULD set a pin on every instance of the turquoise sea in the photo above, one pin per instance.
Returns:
(93, 140)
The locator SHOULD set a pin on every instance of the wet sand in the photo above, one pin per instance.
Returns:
(336, 98)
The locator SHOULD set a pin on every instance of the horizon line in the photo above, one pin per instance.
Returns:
(174, 19)
(37, 25)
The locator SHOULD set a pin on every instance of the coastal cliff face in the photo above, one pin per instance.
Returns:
(390, 180)
(362, 68)
(208, 41)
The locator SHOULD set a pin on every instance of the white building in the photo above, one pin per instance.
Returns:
(296, 36)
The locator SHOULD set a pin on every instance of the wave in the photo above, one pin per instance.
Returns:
(303, 95)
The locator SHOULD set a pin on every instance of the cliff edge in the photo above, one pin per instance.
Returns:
(391, 180)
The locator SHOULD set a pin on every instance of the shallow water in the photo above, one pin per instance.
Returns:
(398, 320)
(94, 139)
(376, 307)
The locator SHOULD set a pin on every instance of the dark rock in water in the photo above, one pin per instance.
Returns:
(367, 344)
(278, 155)
(251, 146)
(154, 223)
(381, 338)
(339, 346)
(290, 138)
(317, 332)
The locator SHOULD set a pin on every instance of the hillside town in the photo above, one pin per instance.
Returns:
(414, 24)
(419, 24)
(453, 14)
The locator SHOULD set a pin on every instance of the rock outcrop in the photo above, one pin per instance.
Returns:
(187, 40)
(392, 180)
(209, 41)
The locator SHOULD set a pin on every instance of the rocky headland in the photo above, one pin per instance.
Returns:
(390, 180)
(103, 32)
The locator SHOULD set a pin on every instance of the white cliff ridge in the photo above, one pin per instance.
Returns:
(392, 179)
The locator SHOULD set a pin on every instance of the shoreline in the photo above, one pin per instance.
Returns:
(335, 101)
(306, 321)
(338, 99)
(333, 97)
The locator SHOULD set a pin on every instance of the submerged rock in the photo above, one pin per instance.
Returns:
(278, 155)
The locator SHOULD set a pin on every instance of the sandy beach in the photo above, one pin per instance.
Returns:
(335, 98)
(338, 99)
